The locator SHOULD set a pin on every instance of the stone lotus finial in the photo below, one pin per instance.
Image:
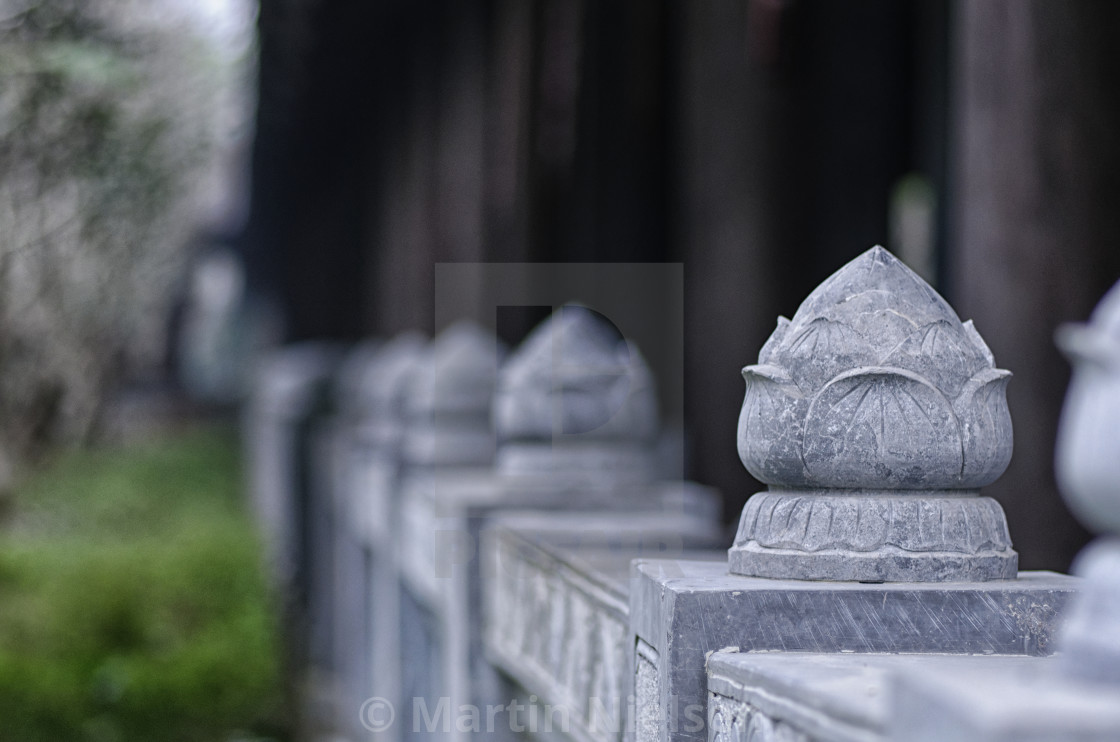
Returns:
(449, 398)
(383, 384)
(574, 384)
(458, 372)
(876, 386)
(1088, 471)
(1088, 454)
(875, 383)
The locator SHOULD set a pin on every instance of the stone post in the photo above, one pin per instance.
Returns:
(448, 437)
(288, 401)
(369, 508)
(575, 419)
(338, 447)
(875, 416)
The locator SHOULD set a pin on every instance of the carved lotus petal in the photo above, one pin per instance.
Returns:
(770, 426)
(815, 352)
(985, 427)
(882, 428)
(838, 522)
(875, 383)
(940, 352)
(770, 347)
(873, 316)
(876, 280)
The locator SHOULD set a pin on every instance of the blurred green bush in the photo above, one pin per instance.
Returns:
(132, 601)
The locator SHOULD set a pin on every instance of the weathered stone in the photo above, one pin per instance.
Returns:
(681, 611)
(1000, 699)
(380, 432)
(874, 415)
(576, 420)
(557, 611)
(854, 698)
(449, 570)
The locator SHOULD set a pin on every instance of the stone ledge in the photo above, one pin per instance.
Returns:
(557, 616)
(685, 610)
(830, 697)
(1029, 701)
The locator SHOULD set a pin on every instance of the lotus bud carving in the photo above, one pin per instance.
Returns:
(1087, 464)
(574, 376)
(875, 384)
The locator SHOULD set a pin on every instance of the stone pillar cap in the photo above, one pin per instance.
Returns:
(875, 384)
(385, 378)
(457, 373)
(573, 376)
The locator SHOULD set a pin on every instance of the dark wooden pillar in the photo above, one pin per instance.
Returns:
(1035, 235)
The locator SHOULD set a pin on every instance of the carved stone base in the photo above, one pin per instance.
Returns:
(872, 536)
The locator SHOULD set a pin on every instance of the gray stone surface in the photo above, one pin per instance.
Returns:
(289, 402)
(1087, 462)
(681, 611)
(576, 422)
(449, 400)
(875, 415)
(833, 697)
(288, 389)
(990, 699)
(443, 563)
(575, 391)
(1076, 694)
(556, 614)
(447, 439)
(1088, 469)
(369, 512)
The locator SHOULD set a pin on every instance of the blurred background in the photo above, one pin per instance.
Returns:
(760, 143)
(184, 183)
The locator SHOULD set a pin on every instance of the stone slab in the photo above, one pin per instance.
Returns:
(800, 697)
(556, 618)
(443, 516)
(988, 701)
(681, 611)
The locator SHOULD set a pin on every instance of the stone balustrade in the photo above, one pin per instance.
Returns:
(495, 554)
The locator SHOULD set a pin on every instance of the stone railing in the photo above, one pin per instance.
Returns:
(475, 543)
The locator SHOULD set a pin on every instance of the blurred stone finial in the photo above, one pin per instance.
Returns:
(458, 373)
(383, 384)
(1088, 471)
(450, 396)
(1088, 454)
(574, 384)
(870, 414)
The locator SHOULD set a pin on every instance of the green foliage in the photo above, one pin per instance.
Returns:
(132, 603)
(113, 114)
